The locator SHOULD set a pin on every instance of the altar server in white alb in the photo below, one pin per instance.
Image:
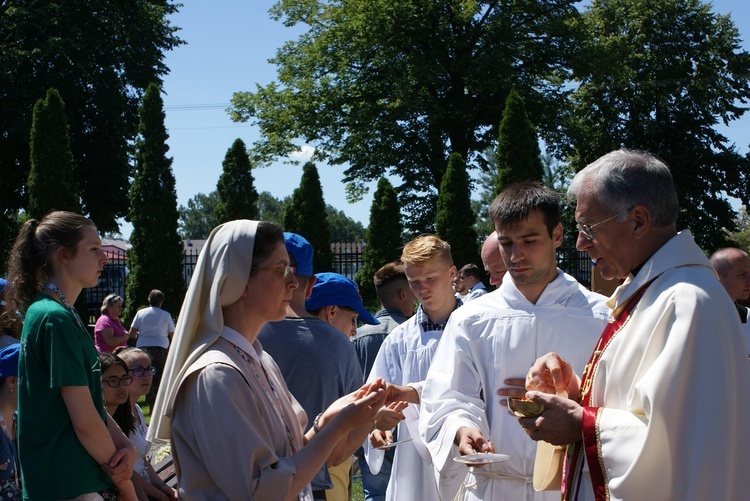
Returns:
(489, 343)
(662, 409)
(403, 360)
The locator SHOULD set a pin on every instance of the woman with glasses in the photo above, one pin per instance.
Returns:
(140, 369)
(109, 333)
(236, 430)
(115, 386)
(69, 448)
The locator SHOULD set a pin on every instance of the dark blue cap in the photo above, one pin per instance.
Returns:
(9, 360)
(302, 250)
(332, 289)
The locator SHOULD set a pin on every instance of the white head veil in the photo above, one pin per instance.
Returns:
(219, 280)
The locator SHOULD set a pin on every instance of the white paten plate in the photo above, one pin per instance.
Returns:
(482, 458)
(393, 444)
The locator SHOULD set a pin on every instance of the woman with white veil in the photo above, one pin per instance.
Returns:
(236, 431)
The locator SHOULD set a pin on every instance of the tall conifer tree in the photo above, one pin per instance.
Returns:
(518, 155)
(306, 215)
(237, 194)
(155, 259)
(51, 183)
(383, 240)
(455, 218)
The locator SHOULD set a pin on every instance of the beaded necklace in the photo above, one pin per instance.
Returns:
(64, 301)
(273, 391)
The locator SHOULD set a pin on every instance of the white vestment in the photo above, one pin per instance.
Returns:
(495, 337)
(403, 359)
(671, 387)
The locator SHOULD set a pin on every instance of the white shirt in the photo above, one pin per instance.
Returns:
(403, 359)
(154, 326)
(495, 337)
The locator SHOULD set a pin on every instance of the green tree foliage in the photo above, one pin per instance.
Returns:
(343, 228)
(383, 240)
(52, 184)
(394, 86)
(236, 186)
(455, 217)
(100, 56)
(155, 259)
(660, 75)
(518, 157)
(198, 218)
(306, 215)
(741, 237)
(271, 208)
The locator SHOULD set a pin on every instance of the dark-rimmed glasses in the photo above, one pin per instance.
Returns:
(284, 271)
(114, 381)
(141, 371)
(587, 229)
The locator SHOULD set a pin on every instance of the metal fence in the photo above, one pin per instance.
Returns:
(347, 260)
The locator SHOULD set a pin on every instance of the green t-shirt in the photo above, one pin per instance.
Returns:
(55, 351)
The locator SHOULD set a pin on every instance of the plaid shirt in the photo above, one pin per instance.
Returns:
(429, 325)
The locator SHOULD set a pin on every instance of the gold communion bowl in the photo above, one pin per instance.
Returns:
(522, 407)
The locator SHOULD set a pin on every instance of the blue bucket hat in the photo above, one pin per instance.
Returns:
(302, 250)
(9, 360)
(332, 289)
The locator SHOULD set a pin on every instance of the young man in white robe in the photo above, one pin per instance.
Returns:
(403, 360)
(662, 410)
(489, 342)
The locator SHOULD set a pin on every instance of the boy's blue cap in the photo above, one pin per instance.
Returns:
(302, 250)
(9, 360)
(332, 289)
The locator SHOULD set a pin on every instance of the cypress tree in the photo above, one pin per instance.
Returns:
(518, 155)
(51, 183)
(306, 215)
(237, 194)
(383, 239)
(455, 218)
(156, 257)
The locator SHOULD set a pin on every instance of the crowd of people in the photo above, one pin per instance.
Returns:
(266, 388)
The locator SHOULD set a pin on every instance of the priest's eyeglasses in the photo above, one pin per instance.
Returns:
(587, 229)
(284, 271)
(115, 381)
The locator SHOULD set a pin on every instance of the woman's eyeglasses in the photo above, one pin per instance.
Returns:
(284, 271)
(141, 371)
(115, 381)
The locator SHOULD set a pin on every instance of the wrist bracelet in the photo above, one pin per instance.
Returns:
(316, 423)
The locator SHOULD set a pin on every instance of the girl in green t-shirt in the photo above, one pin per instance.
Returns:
(68, 445)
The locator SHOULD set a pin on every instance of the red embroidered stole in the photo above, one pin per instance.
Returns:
(574, 456)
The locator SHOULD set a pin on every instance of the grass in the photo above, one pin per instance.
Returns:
(357, 492)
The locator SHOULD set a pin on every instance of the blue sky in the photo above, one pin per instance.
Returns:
(228, 46)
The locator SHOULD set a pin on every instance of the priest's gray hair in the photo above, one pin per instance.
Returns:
(623, 178)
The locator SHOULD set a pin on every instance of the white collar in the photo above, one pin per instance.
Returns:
(255, 349)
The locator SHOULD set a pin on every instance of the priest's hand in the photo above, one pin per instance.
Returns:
(515, 387)
(470, 441)
(379, 438)
(559, 424)
(551, 374)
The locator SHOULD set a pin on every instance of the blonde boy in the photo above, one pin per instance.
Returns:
(403, 361)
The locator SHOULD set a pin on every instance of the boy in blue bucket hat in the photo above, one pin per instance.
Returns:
(336, 300)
